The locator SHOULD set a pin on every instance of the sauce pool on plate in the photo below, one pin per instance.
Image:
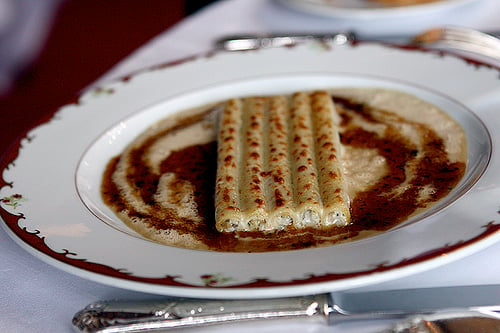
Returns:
(400, 155)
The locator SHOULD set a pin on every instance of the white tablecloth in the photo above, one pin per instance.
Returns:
(37, 297)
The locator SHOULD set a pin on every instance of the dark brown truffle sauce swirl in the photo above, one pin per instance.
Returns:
(400, 156)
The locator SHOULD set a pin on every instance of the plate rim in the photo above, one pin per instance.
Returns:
(316, 7)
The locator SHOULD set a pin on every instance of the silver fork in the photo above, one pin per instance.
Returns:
(463, 39)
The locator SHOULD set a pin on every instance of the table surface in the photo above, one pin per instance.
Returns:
(117, 37)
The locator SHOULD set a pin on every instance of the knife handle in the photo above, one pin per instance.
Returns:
(139, 316)
(254, 42)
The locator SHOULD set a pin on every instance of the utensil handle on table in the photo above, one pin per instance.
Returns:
(150, 316)
(253, 42)
(160, 315)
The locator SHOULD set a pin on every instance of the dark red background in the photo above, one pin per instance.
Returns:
(87, 38)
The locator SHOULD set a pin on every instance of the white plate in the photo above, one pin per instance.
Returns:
(52, 207)
(365, 9)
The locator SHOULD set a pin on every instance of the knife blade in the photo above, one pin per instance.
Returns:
(476, 302)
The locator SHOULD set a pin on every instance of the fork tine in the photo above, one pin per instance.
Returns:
(461, 39)
(471, 36)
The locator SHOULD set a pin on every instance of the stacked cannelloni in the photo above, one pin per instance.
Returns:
(279, 164)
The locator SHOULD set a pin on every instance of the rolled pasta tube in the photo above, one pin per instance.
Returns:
(328, 149)
(253, 198)
(279, 180)
(227, 192)
(304, 172)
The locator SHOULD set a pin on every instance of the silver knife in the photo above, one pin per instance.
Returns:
(425, 310)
